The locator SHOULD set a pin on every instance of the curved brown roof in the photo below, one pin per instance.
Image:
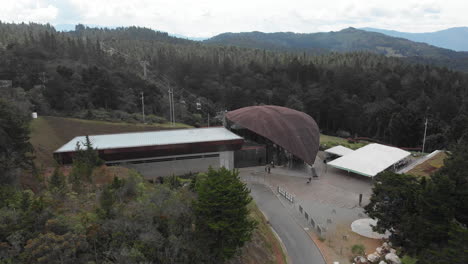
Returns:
(294, 131)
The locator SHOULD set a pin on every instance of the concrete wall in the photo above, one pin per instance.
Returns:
(179, 165)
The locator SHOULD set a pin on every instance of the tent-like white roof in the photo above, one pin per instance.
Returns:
(370, 159)
(339, 150)
(163, 137)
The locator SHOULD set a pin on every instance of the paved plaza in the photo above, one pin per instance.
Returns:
(331, 200)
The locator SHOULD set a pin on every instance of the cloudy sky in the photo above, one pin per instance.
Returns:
(204, 18)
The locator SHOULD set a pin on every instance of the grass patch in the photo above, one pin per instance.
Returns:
(327, 142)
(48, 133)
(430, 166)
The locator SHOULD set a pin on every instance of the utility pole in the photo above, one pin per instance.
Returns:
(424, 140)
(144, 64)
(171, 106)
(143, 106)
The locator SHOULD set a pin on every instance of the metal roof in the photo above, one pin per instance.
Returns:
(339, 150)
(370, 159)
(152, 138)
(294, 131)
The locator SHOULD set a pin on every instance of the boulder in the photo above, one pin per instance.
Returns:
(373, 258)
(382, 262)
(392, 258)
(386, 246)
(380, 250)
(393, 251)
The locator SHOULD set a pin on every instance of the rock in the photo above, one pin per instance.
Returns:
(393, 251)
(373, 258)
(380, 250)
(360, 260)
(385, 246)
(392, 258)
(382, 262)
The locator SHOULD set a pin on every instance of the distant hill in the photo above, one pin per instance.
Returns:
(453, 38)
(346, 40)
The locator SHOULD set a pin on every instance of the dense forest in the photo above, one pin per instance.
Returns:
(97, 73)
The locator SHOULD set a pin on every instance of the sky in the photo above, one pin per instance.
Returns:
(206, 18)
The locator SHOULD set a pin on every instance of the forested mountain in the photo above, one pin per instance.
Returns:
(346, 40)
(97, 73)
(452, 38)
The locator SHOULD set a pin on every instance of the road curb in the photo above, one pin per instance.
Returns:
(283, 247)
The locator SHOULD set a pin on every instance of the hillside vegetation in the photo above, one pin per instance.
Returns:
(346, 40)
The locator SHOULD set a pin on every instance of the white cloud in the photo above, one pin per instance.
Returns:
(208, 17)
(28, 11)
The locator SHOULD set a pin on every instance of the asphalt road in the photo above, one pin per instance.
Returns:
(301, 249)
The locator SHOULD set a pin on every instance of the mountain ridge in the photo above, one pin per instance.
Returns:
(455, 38)
(346, 40)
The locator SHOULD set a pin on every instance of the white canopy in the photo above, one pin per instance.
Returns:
(370, 159)
(339, 150)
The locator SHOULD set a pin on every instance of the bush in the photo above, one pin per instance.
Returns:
(358, 249)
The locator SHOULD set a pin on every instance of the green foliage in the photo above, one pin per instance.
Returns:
(15, 149)
(84, 162)
(358, 249)
(427, 217)
(408, 260)
(222, 214)
(57, 181)
(454, 252)
(52, 248)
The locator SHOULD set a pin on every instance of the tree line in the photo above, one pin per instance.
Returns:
(97, 72)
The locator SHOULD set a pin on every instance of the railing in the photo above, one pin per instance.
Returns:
(286, 195)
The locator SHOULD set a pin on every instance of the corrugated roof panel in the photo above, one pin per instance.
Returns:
(164, 137)
(339, 150)
(370, 159)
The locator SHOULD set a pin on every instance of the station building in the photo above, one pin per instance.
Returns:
(162, 153)
(275, 134)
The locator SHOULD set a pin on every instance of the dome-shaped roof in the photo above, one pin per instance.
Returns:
(295, 131)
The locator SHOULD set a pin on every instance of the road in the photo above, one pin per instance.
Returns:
(301, 249)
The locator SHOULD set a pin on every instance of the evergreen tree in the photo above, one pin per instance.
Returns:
(15, 148)
(222, 216)
(57, 180)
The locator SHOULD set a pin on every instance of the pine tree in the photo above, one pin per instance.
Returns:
(222, 214)
(57, 180)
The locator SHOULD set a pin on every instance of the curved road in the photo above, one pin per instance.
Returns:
(301, 249)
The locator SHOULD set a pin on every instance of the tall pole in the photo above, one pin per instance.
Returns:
(143, 106)
(424, 140)
(144, 64)
(173, 107)
(170, 105)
